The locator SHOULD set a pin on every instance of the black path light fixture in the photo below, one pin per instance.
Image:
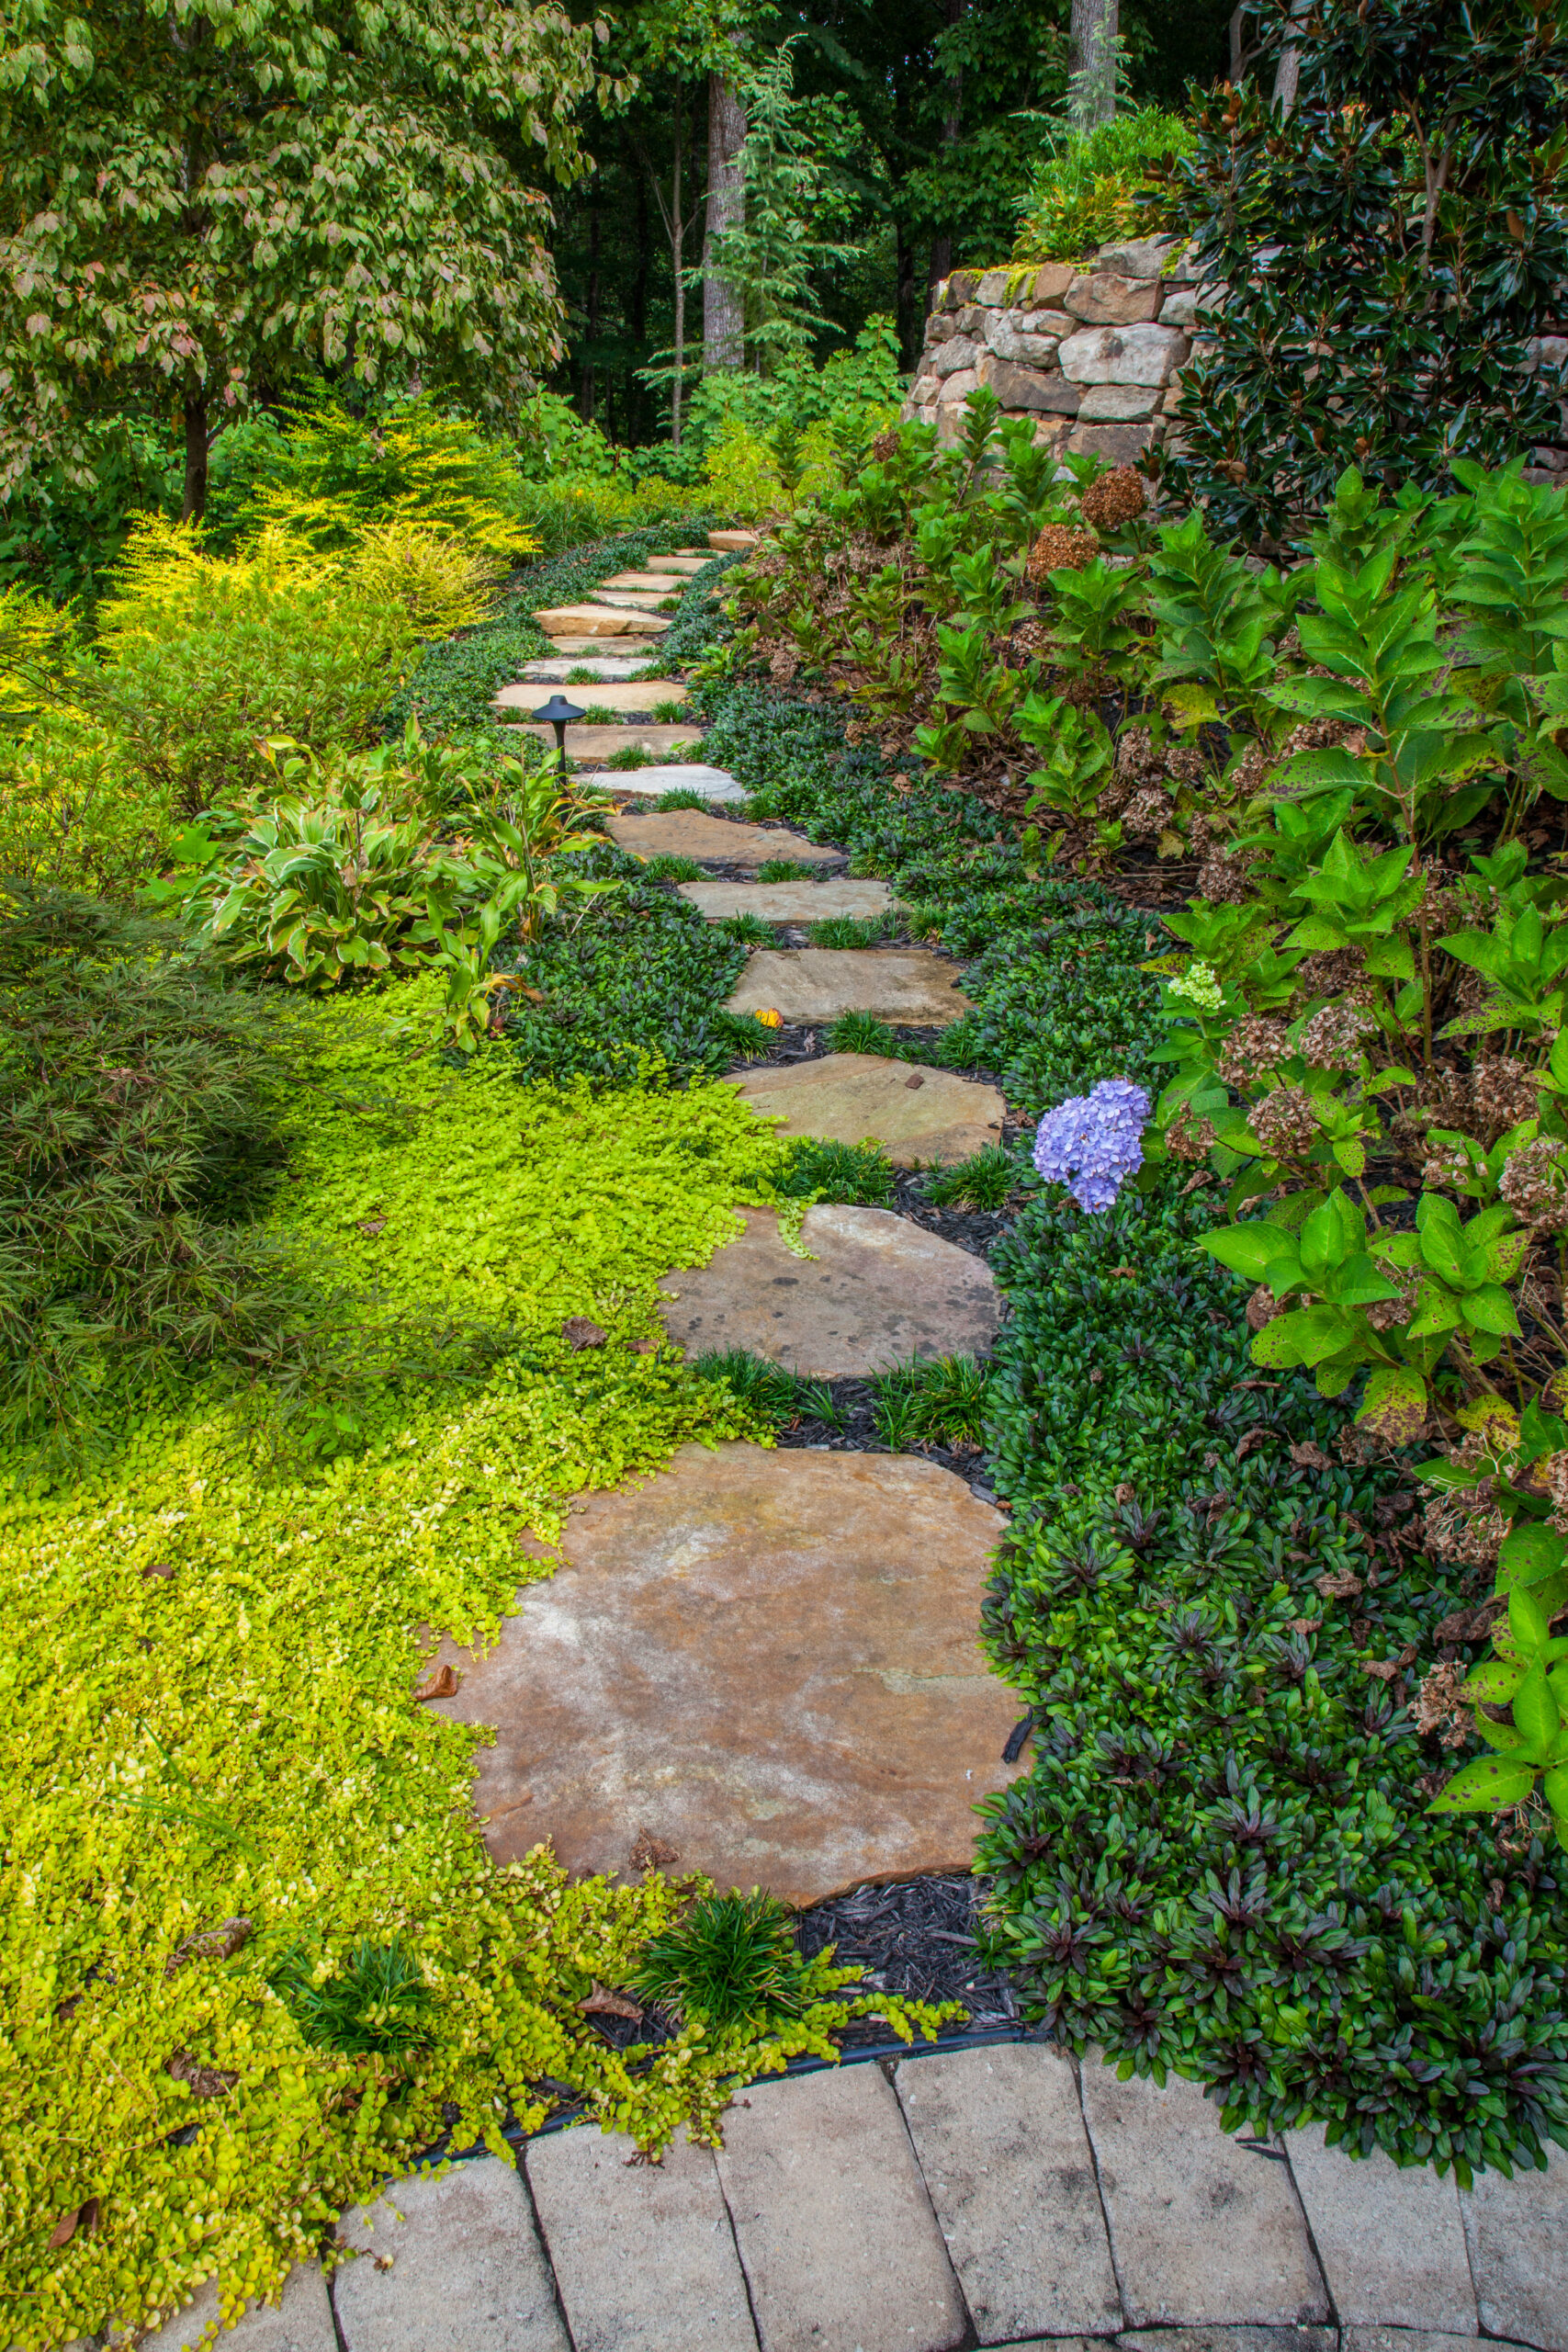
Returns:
(560, 714)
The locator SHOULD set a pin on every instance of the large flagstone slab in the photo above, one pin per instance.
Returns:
(789, 901)
(875, 1291)
(602, 742)
(598, 621)
(714, 783)
(915, 1112)
(729, 542)
(907, 985)
(610, 691)
(627, 600)
(760, 1665)
(713, 841)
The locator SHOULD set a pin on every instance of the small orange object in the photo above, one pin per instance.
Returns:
(770, 1018)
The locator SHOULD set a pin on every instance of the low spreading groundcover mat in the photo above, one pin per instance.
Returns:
(215, 1772)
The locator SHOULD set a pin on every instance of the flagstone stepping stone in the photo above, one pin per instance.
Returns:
(729, 542)
(713, 841)
(714, 783)
(589, 620)
(616, 688)
(760, 1665)
(690, 563)
(579, 650)
(603, 743)
(658, 583)
(875, 1291)
(789, 901)
(916, 1112)
(625, 599)
(907, 985)
(688, 555)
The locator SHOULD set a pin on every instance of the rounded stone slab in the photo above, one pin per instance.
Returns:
(713, 841)
(609, 690)
(584, 620)
(916, 1112)
(602, 742)
(763, 1662)
(788, 901)
(581, 650)
(909, 985)
(714, 783)
(651, 583)
(631, 601)
(875, 1291)
(731, 542)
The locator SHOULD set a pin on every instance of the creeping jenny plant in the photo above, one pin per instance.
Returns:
(208, 1714)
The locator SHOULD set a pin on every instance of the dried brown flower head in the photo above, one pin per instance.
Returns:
(1221, 879)
(1136, 758)
(885, 445)
(1465, 1528)
(1058, 548)
(1332, 1038)
(1284, 1121)
(1188, 1139)
(1437, 1707)
(1114, 499)
(1146, 815)
(1256, 1044)
(1262, 1308)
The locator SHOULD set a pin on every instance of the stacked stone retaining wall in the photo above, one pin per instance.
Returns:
(1092, 354)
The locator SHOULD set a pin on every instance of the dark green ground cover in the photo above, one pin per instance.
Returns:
(1220, 1862)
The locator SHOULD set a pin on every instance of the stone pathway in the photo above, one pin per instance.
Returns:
(608, 692)
(997, 2195)
(763, 1665)
(652, 783)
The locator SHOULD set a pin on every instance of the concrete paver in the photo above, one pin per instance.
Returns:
(764, 1662)
(300, 2321)
(903, 984)
(1006, 2163)
(643, 2254)
(1391, 2240)
(876, 1291)
(841, 2249)
(1516, 2231)
(464, 2269)
(1202, 2228)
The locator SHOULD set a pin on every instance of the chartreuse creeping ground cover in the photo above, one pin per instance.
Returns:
(208, 1713)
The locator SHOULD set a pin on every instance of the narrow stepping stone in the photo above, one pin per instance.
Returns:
(464, 2269)
(714, 783)
(907, 985)
(688, 566)
(598, 621)
(643, 2254)
(730, 542)
(603, 743)
(1391, 2238)
(576, 650)
(702, 557)
(624, 600)
(301, 2321)
(916, 1112)
(789, 901)
(875, 1291)
(765, 1662)
(1202, 2229)
(651, 583)
(620, 678)
(713, 841)
(842, 2251)
(1003, 2151)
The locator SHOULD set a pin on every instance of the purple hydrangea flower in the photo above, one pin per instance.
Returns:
(1093, 1142)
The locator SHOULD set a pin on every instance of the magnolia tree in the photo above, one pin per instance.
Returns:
(204, 202)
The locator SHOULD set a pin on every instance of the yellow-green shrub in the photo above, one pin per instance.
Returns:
(76, 811)
(742, 473)
(206, 1710)
(203, 656)
(440, 582)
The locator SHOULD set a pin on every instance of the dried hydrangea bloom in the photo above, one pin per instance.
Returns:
(1437, 1707)
(1189, 1140)
(1146, 815)
(1534, 1182)
(1284, 1121)
(1333, 1037)
(1262, 1308)
(1466, 1529)
(1114, 499)
(1256, 1044)
(1092, 1143)
(1060, 549)
(1384, 1314)
(1502, 1095)
(1136, 758)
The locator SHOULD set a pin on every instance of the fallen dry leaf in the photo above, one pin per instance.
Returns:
(1338, 1584)
(1310, 1457)
(645, 1347)
(600, 2004)
(441, 1684)
(910, 1083)
(158, 1569)
(371, 1226)
(650, 1853)
(579, 1333)
(82, 2217)
(1304, 1626)
(1385, 1668)
(1469, 1625)
(210, 1943)
(206, 2082)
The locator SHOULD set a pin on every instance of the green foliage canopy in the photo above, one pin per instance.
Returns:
(206, 201)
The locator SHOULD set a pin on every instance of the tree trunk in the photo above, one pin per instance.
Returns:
(1288, 72)
(907, 310)
(585, 380)
(1238, 43)
(677, 241)
(194, 505)
(952, 118)
(1092, 47)
(723, 326)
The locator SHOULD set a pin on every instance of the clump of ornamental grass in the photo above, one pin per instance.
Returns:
(732, 1958)
(859, 1174)
(987, 1180)
(376, 2005)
